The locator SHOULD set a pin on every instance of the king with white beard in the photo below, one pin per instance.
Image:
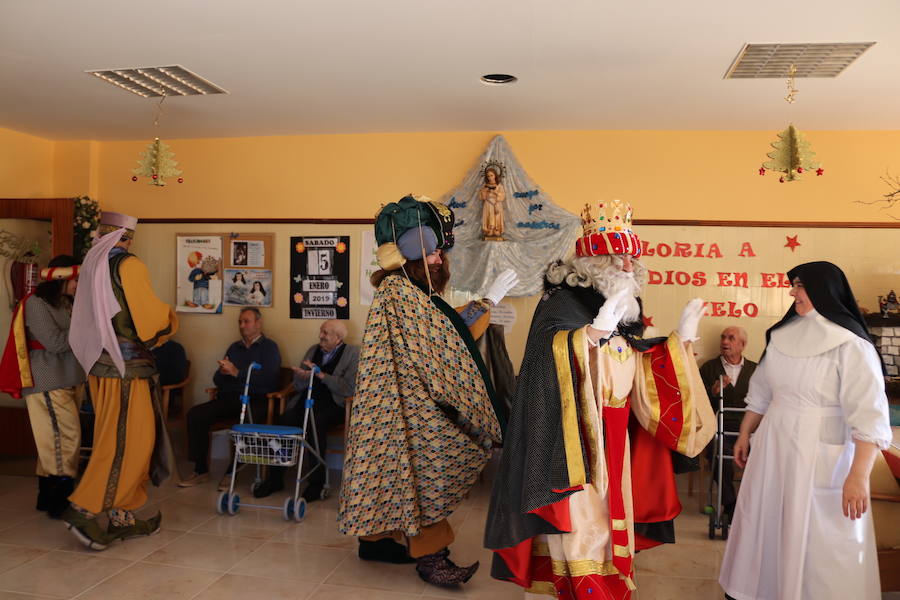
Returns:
(586, 476)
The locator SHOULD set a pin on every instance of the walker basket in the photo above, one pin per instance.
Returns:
(273, 445)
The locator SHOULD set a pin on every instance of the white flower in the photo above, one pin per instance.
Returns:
(86, 225)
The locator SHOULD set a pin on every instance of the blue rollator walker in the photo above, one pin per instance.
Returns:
(274, 446)
(718, 519)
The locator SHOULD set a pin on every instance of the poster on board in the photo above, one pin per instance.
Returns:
(320, 277)
(199, 274)
(248, 287)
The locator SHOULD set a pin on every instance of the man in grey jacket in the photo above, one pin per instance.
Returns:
(333, 384)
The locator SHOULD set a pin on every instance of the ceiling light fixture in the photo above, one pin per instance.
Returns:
(159, 82)
(498, 79)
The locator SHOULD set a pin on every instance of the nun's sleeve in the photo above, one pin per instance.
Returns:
(862, 396)
(759, 394)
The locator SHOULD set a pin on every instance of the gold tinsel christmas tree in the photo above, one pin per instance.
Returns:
(792, 156)
(156, 162)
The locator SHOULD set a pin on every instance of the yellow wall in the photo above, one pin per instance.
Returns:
(665, 174)
(26, 165)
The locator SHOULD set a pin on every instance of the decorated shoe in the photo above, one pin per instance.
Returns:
(86, 529)
(438, 569)
(140, 527)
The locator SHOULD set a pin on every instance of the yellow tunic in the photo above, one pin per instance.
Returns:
(124, 429)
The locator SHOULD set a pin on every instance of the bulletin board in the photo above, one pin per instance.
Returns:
(249, 260)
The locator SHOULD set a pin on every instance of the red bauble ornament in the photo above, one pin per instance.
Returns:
(781, 180)
(181, 180)
(762, 170)
(820, 171)
(799, 169)
(134, 177)
(154, 177)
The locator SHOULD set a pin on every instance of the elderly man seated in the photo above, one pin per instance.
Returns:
(332, 385)
(229, 379)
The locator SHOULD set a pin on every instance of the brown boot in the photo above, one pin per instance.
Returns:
(438, 569)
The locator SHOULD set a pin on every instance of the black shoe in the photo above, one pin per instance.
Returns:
(268, 487)
(438, 569)
(385, 550)
(43, 499)
(312, 493)
(60, 488)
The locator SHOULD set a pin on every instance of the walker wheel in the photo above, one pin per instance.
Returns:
(300, 509)
(222, 503)
(708, 509)
(254, 486)
(288, 510)
(712, 526)
(234, 504)
(326, 491)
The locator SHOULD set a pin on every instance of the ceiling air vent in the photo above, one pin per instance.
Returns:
(159, 81)
(756, 61)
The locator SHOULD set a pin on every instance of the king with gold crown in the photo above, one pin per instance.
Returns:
(586, 478)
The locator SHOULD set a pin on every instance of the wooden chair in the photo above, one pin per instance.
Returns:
(167, 391)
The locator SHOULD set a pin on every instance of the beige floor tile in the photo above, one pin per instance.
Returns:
(701, 561)
(244, 587)
(18, 596)
(201, 551)
(11, 518)
(72, 573)
(13, 556)
(651, 587)
(251, 523)
(179, 517)
(145, 581)
(132, 549)
(375, 575)
(37, 533)
(20, 497)
(340, 592)
(319, 528)
(276, 560)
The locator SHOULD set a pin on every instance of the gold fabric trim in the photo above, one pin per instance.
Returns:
(629, 583)
(569, 410)
(613, 402)
(652, 393)
(582, 568)
(622, 357)
(542, 587)
(620, 524)
(21, 341)
(674, 346)
(621, 551)
(540, 549)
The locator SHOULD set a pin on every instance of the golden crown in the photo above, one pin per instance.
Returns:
(614, 215)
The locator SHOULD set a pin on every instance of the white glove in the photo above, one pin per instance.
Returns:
(690, 320)
(611, 312)
(505, 281)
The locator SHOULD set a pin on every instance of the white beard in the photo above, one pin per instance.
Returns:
(614, 280)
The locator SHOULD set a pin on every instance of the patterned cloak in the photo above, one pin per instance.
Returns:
(423, 424)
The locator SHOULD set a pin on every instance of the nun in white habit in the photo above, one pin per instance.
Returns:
(802, 529)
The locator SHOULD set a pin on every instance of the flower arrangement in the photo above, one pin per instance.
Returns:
(86, 222)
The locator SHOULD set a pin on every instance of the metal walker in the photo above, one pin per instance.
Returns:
(718, 520)
(276, 446)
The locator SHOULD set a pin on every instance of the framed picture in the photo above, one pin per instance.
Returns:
(320, 277)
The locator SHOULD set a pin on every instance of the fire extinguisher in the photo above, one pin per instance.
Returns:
(24, 276)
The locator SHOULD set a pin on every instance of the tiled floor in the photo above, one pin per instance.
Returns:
(201, 555)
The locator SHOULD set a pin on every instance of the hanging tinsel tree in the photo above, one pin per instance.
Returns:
(156, 162)
(791, 157)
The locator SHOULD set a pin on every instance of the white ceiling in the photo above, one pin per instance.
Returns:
(352, 66)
